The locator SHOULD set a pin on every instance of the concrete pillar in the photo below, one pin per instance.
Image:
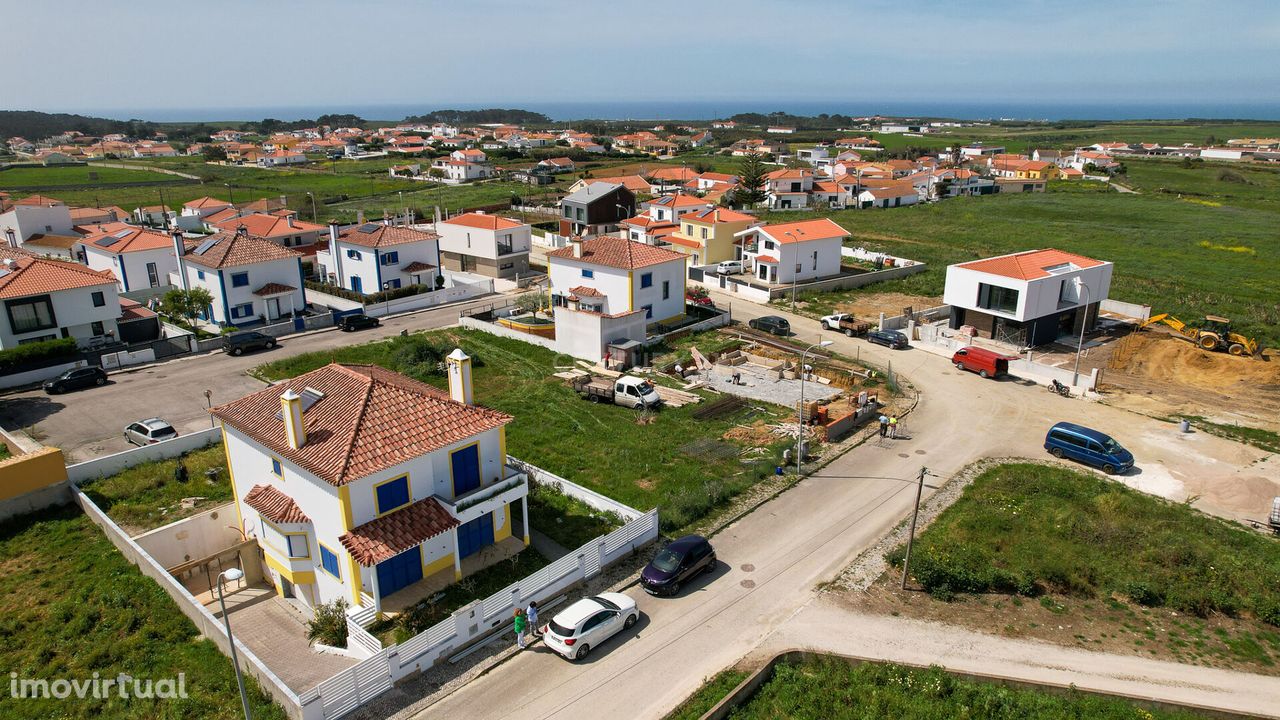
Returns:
(377, 592)
(457, 561)
(524, 510)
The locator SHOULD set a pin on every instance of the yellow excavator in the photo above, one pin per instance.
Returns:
(1216, 334)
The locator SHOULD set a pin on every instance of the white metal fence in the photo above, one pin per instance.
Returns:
(363, 682)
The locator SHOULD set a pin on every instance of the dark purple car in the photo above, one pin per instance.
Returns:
(676, 563)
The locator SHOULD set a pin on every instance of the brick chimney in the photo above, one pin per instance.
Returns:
(295, 430)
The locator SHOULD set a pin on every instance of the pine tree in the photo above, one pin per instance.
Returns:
(750, 181)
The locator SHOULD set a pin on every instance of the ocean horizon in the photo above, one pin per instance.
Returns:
(711, 110)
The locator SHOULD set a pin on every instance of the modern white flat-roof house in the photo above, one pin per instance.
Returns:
(489, 245)
(359, 483)
(47, 299)
(34, 216)
(1027, 298)
(252, 280)
(371, 257)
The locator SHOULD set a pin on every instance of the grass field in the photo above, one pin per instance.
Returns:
(604, 447)
(696, 705)
(830, 689)
(1187, 258)
(72, 606)
(147, 496)
(55, 176)
(1030, 528)
(1233, 184)
(1170, 132)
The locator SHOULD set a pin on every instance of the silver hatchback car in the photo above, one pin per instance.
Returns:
(149, 431)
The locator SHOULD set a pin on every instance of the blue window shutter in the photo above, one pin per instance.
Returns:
(465, 464)
(275, 467)
(329, 561)
(646, 280)
(588, 273)
(392, 495)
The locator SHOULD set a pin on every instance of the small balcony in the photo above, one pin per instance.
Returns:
(487, 498)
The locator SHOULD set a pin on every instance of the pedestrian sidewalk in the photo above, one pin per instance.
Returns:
(918, 642)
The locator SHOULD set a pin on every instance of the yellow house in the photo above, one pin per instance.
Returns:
(1038, 170)
(706, 236)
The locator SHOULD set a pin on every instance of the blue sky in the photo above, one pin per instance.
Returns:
(243, 53)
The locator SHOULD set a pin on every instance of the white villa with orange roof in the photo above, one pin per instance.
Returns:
(251, 280)
(47, 299)
(140, 258)
(792, 252)
(1027, 298)
(371, 257)
(489, 245)
(606, 290)
(789, 188)
(363, 485)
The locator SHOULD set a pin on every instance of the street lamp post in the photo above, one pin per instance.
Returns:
(313, 207)
(1084, 321)
(800, 412)
(231, 194)
(208, 399)
(233, 574)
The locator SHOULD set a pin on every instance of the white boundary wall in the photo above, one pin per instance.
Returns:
(506, 332)
(573, 490)
(112, 464)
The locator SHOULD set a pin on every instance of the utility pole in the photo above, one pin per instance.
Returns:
(906, 561)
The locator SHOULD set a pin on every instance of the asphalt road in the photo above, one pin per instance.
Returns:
(771, 560)
(90, 423)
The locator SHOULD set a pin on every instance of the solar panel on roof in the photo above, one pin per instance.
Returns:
(204, 246)
(4, 272)
(107, 241)
(122, 233)
(310, 396)
(368, 228)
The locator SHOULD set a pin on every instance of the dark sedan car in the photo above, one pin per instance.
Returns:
(357, 322)
(238, 343)
(75, 379)
(771, 324)
(677, 563)
(889, 338)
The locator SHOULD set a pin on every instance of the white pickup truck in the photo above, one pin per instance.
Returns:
(627, 391)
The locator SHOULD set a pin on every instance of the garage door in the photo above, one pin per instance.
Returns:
(474, 535)
(400, 571)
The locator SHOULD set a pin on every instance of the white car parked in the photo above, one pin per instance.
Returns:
(589, 622)
(729, 267)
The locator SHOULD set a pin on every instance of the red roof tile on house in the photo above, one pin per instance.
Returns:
(417, 267)
(584, 291)
(717, 215)
(392, 534)
(483, 221)
(273, 289)
(369, 419)
(803, 231)
(377, 235)
(268, 225)
(128, 238)
(1029, 265)
(618, 253)
(37, 276)
(274, 505)
(230, 249)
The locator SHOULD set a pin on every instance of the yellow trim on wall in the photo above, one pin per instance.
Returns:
(436, 565)
(357, 582)
(285, 551)
(277, 461)
(505, 531)
(29, 472)
(453, 484)
(631, 290)
(502, 449)
(336, 555)
(235, 494)
(408, 484)
(301, 577)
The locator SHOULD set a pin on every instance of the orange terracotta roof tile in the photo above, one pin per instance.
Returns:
(392, 534)
(805, 230)
(377, 235)
(369, 419)
(127, 238)
(268, 225)
(717, 215)
(417, 267)
(1029, 265)
(36, 276)
(273, 289)
(230, 249)
(274, 505)
(584, 291)
(618, 253)
(483, 221)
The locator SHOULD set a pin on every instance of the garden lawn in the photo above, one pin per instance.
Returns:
(568, 521)
(1182, 257)
(603, 447)
(147, 495)
(1031, 528)
(824, 688)
(72, 606)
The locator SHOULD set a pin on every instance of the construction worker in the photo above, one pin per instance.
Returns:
(893, 427)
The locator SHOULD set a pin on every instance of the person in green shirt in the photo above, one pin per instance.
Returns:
(522, 624)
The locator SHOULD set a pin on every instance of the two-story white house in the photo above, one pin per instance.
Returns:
(607, 289)
(251, 279)
(489, 245)
(358, 483)
(669, 208)
(789, 188)
(46, 299)
(455, 170)
(140, 258)
(793, 252)
(371, 257)
(1028, 298)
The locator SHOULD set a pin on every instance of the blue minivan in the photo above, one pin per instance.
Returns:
(1068, 440)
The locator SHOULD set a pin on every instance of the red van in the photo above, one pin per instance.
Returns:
(982, 361)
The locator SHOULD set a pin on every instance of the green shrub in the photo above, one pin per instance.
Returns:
(29, 353)
(329, 625)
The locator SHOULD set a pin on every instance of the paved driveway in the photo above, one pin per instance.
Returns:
(90, 423)
(771, 559)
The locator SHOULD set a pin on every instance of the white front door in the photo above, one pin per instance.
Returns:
(273, 308)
